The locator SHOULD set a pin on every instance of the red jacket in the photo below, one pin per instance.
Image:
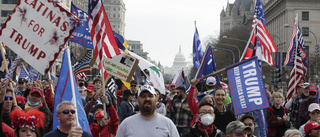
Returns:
(8, 131)
(113, 124)
(193, 105)
(275, 125)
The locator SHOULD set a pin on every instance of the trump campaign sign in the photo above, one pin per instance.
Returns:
(37, 30)
(246, 86)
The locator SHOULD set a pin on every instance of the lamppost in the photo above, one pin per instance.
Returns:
(227, 50)
(316, 51)
(232, 46)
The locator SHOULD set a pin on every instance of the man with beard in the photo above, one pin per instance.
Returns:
(66, 116)
(148, 123)
(181, 111)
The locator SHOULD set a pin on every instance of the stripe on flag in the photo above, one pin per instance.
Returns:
(102, 36)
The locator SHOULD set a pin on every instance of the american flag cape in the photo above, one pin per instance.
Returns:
(261, 34)
(296, 53)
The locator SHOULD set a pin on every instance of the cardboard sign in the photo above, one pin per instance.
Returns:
(121, 66)
(37, 30)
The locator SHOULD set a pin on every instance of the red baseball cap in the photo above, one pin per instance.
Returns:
(21, 100)
(36, 90)
(310, 125)
(313, 88)
(90, 88)
(172, 85)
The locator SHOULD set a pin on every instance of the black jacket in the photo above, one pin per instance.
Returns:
(195, 132)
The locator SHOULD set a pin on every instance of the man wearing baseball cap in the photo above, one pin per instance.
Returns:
(148, 123)
(211, 83)
(237, 129)
(312, 129)
(35, 102)
(297, 102)
(313, 113)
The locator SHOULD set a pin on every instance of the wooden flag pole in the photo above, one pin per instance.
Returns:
(213, 73)
(7, 70)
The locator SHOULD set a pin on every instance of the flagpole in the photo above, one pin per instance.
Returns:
(7, 70)
(72, 85)
(213, 73)
(51, 86)
(103, 84)
(295, 53)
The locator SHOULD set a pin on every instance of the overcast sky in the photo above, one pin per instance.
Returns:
(163, 25)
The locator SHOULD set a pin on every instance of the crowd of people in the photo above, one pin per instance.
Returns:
(203, 110)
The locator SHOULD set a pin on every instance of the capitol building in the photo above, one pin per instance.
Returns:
(179, 62)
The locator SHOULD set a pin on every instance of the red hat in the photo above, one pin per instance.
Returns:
(313, 88)
(90, 88)
(123, 86)
(36, 90)
(310, 125)
(21, 100)
(172, 85)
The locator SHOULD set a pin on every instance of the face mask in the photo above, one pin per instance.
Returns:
(80, 84)
(207, 119)
(32, 105)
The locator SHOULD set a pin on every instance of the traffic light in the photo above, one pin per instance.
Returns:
(272, 76)
(277, 75)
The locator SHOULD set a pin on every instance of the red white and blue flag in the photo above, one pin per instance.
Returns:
(261, 34)
(179, 79)
(197, 49)
(102, 36)
(296, 57)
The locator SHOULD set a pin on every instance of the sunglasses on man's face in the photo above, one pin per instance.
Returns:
(133, 85)
(8, 98)
(67, 112)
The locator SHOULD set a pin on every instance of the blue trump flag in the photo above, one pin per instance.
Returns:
(24, 73)
(197, 50)
(33, 74)
(260, 116)
(179, 79)
(81, 34)
(208, 65)
(64, 92)
(246, 86)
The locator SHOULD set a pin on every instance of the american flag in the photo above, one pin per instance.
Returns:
(299, 54)
(102, 36)
(261, 34)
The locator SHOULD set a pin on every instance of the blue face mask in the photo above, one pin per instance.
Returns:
(32, 105)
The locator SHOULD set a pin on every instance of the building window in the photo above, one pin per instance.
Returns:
(114, 15)
(10, 1)
(305, 31)
(305, 16)
(5, 13)
(114, 8)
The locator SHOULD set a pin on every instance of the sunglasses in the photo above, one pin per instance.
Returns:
(8, 98)
(315, 113)
(67, 112)
(133, 85)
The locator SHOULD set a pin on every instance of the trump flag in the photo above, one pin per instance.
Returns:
(246, 86)
(64, 93)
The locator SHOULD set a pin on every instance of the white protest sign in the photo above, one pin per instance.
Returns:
(37, 30)
(121, 66)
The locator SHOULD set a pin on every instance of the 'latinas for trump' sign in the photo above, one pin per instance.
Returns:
(246, 86)
(37, 30)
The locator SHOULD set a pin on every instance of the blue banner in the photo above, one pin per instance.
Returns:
(207, 66)
(64, 92)
(247, 87)
(81, 34)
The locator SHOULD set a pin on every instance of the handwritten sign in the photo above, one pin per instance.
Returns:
(37, 30)
(121, 66)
